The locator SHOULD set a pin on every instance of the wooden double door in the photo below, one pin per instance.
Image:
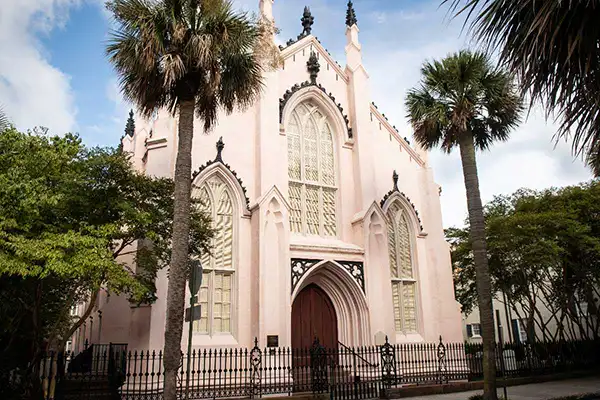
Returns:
(313, 316)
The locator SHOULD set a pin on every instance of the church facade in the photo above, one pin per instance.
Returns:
(328, 223)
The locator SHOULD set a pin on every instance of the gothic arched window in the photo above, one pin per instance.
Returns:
(401, 270)
(311, 172)
(215, 294)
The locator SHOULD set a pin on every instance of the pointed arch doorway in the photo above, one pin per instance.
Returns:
(313, 315)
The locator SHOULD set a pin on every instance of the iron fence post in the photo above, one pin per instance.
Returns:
(387, 354)
(441, 354)
(255, 370)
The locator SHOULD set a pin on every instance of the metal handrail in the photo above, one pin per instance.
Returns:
(357, 355)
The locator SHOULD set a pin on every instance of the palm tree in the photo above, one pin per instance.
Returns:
(464, 101)
(4, 121)
(190, 57)
(552, 47)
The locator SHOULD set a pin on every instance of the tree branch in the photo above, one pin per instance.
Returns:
(82, 319)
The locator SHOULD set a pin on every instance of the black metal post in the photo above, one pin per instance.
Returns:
(99, 326)
(189, 350)
(506, 314)
(194, 285)
(92, 329)
(500, 338)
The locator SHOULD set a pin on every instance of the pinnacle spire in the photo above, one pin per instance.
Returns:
(130, 126)
(350, 15)
(307, 22)
(220, 147)
(313, 67)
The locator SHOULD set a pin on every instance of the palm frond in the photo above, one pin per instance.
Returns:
(592, 160)
(4, 121)
(552, 47)
(463, 94)
(171, 51)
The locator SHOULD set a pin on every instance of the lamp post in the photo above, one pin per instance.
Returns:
(194, 284)
(500, 340)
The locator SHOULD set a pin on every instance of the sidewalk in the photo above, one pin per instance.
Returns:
(537, 391)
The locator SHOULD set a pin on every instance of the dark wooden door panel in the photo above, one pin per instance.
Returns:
(313, 316)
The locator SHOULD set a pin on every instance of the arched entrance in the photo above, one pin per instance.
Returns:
(313, 315)
(344, 297)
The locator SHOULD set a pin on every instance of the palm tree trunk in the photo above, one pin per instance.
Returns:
(482, 272)
(180, 248)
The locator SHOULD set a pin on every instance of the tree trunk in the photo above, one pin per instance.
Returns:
(180, 247)
(482, 272)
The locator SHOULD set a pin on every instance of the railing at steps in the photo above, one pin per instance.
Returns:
(356, 374)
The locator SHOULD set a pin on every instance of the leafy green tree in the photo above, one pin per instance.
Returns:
(464, 101)
(543, 250)
(552, 46)
(188, 56)
(70, 218)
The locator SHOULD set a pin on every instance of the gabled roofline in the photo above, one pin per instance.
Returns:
(307, 41)
(394, 132)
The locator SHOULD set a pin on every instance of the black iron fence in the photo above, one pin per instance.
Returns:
(344, 372)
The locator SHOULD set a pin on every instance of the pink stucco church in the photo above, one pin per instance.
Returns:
(328, 221)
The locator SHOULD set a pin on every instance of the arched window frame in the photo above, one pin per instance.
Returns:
(229, 185)
(405, 320)
(299, 223)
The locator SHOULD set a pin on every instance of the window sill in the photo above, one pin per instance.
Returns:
(203, 340)
(475, 337)
(412, 337)
(310, 243)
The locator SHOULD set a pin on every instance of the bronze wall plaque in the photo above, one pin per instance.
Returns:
(272, 341)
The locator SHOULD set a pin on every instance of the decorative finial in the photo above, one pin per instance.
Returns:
(220, 147)
(130, 126)
(395, 178)
(313, 67)
(307, 22)
(350, 15)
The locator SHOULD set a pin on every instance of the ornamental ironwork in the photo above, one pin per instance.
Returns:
(300, 267)
(356, 269)
(388, 364)
(219, 159)
(255, 371)
(441, 355)
(290, 92)
(395, 190)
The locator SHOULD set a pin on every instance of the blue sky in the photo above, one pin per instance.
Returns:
(53, 72)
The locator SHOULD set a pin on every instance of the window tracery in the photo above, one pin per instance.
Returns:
(311, 172)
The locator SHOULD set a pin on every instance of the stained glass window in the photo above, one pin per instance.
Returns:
(401, 270)
(311, 172)
(215, 294)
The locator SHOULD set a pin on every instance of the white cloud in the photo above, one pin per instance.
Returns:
(32, 91)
